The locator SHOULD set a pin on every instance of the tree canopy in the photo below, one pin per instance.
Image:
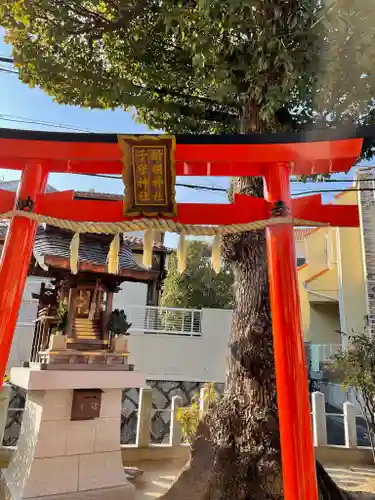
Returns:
(199, 286)
(201, 65)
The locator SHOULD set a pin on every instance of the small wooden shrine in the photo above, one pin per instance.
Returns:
(76, 326)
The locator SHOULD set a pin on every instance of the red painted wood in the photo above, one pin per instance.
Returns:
(244, 209)
(297, 451)
(15, 259)
(202, 159)
(61, 205)
(7, 199)
(310, 208)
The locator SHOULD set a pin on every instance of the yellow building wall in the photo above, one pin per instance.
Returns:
(320, 312)
(303, 274)
(316, 250)
(324, 324)
(342, 306)
(352, 288)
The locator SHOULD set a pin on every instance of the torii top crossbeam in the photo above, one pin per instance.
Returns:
(201, 155)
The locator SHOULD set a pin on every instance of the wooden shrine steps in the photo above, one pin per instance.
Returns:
(86, 335)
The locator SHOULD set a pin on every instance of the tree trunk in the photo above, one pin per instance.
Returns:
(236, 452)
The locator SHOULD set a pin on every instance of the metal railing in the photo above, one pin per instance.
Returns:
(322, 353)
(339, 429)
(164, 320)
(43, 327)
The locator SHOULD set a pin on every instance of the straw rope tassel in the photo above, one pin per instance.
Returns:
(148, 242)
(216, 254)
(113, 255)
(181, 253)
(74, 253)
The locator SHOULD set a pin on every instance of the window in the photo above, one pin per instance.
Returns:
(301, 261)
(330, 246)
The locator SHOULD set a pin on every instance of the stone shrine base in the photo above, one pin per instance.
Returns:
(69, 459)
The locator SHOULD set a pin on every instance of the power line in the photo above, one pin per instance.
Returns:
(32, 121)
(329, 180)
(223, 190)
(5, 70)
(322, 191)
(178, 184)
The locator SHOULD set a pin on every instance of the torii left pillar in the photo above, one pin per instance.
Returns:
(15, 259)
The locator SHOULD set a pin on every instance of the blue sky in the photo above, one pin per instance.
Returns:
(18, 100)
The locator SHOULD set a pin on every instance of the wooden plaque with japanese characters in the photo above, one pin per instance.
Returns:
(149, 175)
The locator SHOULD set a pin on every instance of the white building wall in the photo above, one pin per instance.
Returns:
(134, 294)
(23, 335)
(181, 358)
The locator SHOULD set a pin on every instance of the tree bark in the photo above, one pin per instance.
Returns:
(236, 452)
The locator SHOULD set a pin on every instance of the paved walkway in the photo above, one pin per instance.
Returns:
(156, 480)
(354, 478)
(159, 476)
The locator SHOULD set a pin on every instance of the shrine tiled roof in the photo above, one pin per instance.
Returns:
(56, 243)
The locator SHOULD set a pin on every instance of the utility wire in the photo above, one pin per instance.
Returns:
(322, 191)
(223, 190)
(191, 186)
(4, 70)
(21, 119)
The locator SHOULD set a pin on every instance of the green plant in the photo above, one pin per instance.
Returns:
(118, 324)
(62, 317)
(356, 365)
(199, 286)
(188, 416)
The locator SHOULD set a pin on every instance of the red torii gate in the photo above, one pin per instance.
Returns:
(275, 158)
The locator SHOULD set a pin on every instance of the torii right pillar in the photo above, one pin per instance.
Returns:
(297, 450)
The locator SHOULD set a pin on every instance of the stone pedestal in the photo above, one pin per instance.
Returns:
(4, 403)
(64, 458)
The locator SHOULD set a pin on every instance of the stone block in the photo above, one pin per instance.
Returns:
(80, 437)
(51, 476)
(44, 380)
(101, 470)
(56, 360)
(107, 436)
(57, 405)
(114, 360)
(120, 344)
(4, 403)
(80, 359)
(51, 440)
(111, 403)
(57, 342)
